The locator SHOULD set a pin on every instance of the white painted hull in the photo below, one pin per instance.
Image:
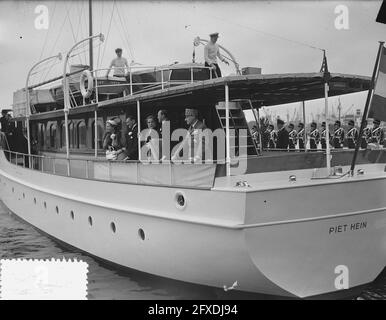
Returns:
(222, 236)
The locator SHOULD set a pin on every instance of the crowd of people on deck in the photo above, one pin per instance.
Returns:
(14, 138)
(287, 138)
(121, 143)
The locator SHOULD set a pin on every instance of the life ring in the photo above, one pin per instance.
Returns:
(86, 75)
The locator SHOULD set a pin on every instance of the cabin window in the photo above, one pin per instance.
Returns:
(41, 134)
(81, 135)
(71, 133)
(185, 74)
(52, 135)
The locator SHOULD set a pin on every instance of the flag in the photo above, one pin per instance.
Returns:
(381, 17)
(378, 102)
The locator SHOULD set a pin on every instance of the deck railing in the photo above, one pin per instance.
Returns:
(129, 87)
(165, 173)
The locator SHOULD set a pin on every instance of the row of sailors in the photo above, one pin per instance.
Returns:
(289, 138)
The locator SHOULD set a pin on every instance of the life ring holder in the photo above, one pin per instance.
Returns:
(86, 92)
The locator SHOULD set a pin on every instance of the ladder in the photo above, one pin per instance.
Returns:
(237, 121)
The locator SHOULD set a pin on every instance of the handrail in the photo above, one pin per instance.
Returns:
(132, 71)
(89, 169)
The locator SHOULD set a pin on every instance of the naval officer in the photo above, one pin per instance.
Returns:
(352, 135)
(338, 136)
(377, 134)
(292, 137)
(366, 136)
(314, 137)
(301, 136)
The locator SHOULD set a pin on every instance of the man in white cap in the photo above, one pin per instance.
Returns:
(211, 52)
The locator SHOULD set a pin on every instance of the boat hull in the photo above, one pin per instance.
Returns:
(215, 241)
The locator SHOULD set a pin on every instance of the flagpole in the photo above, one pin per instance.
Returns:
(367, 105)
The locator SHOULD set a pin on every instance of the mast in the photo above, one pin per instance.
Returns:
(91, 59)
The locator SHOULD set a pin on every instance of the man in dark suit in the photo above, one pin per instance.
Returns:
(162, 116)
(282, 136)
(4, 120)
(131, 139)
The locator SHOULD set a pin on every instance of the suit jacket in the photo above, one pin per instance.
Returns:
(282, 139)
(131, 143)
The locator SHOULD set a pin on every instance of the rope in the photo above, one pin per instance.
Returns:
(72, 29)
(100, 31)
(108, 32)
(120, 33)
(268, 33)
(48, 31)
(126, 33)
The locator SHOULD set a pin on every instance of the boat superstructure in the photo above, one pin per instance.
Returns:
(276, 222)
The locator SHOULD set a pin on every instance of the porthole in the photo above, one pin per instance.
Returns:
(57, 209)
(45, 205)
(90, 221)
(180, 200)
(113, 227)
(141, 234)
(72, 215)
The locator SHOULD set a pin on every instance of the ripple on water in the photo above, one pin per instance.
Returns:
(20, 240)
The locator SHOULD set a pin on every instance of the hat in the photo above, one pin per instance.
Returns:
(337, 122)
(112, 122)
(279, 121)
(291, 125)
(313, 124)
(301, 124)
(271, 126)
(351, 122)
(323, 124)
(376, 121)
(214, 34)
(191, 112)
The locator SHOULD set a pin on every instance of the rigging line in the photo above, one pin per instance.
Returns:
(56, 41)
(48, 31)
(72, 29)
(85, 30)
(120, 33)
(268, 33)
(80, 13)
(108, 32)
(100, 31)
(126, 32)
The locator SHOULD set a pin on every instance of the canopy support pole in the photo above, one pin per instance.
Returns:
(96, 133)
(228, 156)
(367, 106)
(139, 129)
(328, 150)
(304, 122)
(260, 132)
